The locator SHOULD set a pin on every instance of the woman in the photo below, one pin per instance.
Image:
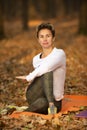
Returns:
(46, 81)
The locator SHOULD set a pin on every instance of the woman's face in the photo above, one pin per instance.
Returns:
(45, 38)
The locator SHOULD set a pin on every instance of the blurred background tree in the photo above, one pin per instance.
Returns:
(28, 10)
(25, 15)
(83, 18)
(2, 34)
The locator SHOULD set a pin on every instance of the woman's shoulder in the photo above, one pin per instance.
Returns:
(59, 51)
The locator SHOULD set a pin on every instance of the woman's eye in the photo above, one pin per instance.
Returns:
(48, 35)
(40, 36)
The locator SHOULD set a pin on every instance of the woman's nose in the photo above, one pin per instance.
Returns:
(45, 38)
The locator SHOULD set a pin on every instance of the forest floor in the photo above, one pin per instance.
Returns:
(16, 53)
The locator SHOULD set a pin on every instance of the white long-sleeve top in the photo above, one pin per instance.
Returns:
(56, 62)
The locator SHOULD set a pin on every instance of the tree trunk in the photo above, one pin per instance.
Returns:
(68, 6)
(83, 18)
(2, 34)
(25, 16)
(51, 8)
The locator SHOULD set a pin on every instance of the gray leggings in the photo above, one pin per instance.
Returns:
(40, 93)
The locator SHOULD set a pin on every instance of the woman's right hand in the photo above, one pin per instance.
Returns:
(21, 77)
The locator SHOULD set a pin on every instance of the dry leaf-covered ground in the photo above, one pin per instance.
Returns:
(15, 59)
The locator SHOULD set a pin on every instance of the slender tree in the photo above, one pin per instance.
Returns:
(25, 15)
(2, 34)
(51, 8)
(83, 18)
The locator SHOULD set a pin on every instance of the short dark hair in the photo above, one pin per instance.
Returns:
(48, 26)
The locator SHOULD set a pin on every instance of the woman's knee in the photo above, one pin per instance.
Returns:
(48, 75)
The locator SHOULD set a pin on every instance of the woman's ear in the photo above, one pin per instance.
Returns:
(53, 39)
